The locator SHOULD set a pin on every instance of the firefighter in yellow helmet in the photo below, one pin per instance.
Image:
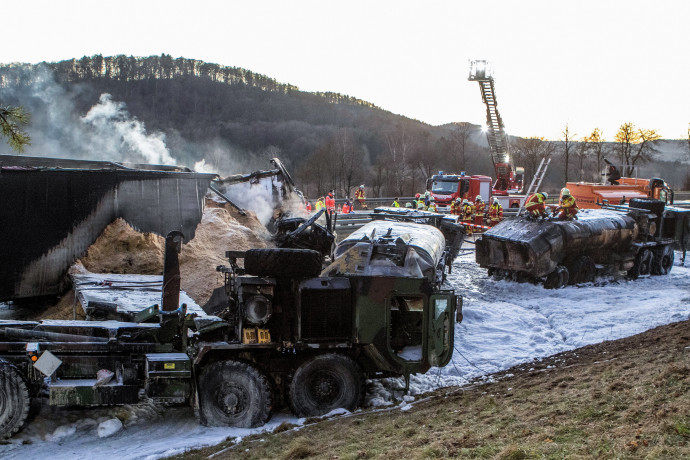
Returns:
(567, 206)
(479, 207)
(495, 212)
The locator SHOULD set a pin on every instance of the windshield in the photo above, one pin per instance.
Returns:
(445, 187)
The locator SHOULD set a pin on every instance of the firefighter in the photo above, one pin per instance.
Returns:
(479, 207)
(396, 204)
(320, 204)
(427, 199)
(432, 204)
(453, 206)
(535, 205)
(567, 206)
(361, 199)
(495, 212)
(466, 216)
(420, 203)
(330, 202)
(415, 202)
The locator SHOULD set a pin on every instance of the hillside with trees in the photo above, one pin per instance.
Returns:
(235, 120)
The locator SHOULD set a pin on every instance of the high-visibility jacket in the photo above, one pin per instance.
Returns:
(420, 204)
(359, 194)
(431, 207)
(568, 208)
(479, 207)
(535, 205)
(347, 208)
(495, 214)
(330, 203)
(319, 205)
(396, 204)
(454, 207)
(467, 211)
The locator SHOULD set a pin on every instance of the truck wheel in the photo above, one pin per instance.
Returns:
(283, 262)
(662, 261)
(581, 270)
(233, 393)
(14, 400)
(557, 278)
(643, 264)
(324, 383)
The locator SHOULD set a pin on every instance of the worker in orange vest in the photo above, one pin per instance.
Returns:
(495, 212)
(347, 207)
(535, 205)
(330, 202)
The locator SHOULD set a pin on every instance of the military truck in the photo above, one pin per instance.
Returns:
(287, 333)
(639, 239)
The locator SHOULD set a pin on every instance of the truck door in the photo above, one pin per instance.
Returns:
(441, 331)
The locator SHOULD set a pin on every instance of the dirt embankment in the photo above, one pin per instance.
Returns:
(121, 249)
(628, 398)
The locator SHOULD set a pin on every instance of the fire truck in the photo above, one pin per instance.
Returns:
(508, 185)
(446, 188)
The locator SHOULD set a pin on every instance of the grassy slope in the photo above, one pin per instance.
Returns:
(623, 399)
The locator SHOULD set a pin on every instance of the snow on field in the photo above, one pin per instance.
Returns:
(504, 324)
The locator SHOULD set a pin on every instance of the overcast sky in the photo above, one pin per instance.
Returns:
(586, 63)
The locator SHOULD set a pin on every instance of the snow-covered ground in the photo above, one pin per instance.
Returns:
(505, 323)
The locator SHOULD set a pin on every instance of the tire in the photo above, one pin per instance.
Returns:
(650, 204)
(233, 393)
(557, 279)
(289, 263)
(643, 264)
(324, 383)
(581, 270)
(662, 261)
(14, 400)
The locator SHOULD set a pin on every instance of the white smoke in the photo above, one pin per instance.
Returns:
(113, 127)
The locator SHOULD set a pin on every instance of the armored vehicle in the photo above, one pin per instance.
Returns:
(639, 238)
(285, 333)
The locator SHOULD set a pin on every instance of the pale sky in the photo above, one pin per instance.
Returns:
(582, 62)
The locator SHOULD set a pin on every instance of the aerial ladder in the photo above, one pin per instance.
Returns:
(508, 178)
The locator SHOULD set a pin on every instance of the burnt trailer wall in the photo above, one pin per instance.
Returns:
(53, 210)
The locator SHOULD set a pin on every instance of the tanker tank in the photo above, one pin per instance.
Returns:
(570, 252)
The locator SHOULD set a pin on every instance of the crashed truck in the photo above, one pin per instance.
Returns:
(639, 239)
(289, 332)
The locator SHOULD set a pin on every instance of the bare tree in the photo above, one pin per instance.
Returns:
(349, 159)
(529, 152)
(597, 146)
(568, 140)
(400, 147)
(635, 145)
(583, 150)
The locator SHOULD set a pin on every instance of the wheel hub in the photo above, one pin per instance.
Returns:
(231, 398)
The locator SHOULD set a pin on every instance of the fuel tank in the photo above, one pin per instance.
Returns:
(536, 247)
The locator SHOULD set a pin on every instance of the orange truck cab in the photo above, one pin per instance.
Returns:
(590, 195)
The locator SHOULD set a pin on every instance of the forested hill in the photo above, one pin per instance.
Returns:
(231, 117)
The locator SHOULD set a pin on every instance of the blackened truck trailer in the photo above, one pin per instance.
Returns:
(639, 238)
(52, 210)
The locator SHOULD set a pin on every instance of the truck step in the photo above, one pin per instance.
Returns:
(81, 392)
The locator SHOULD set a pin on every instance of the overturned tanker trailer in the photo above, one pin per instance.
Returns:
(639, 239)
